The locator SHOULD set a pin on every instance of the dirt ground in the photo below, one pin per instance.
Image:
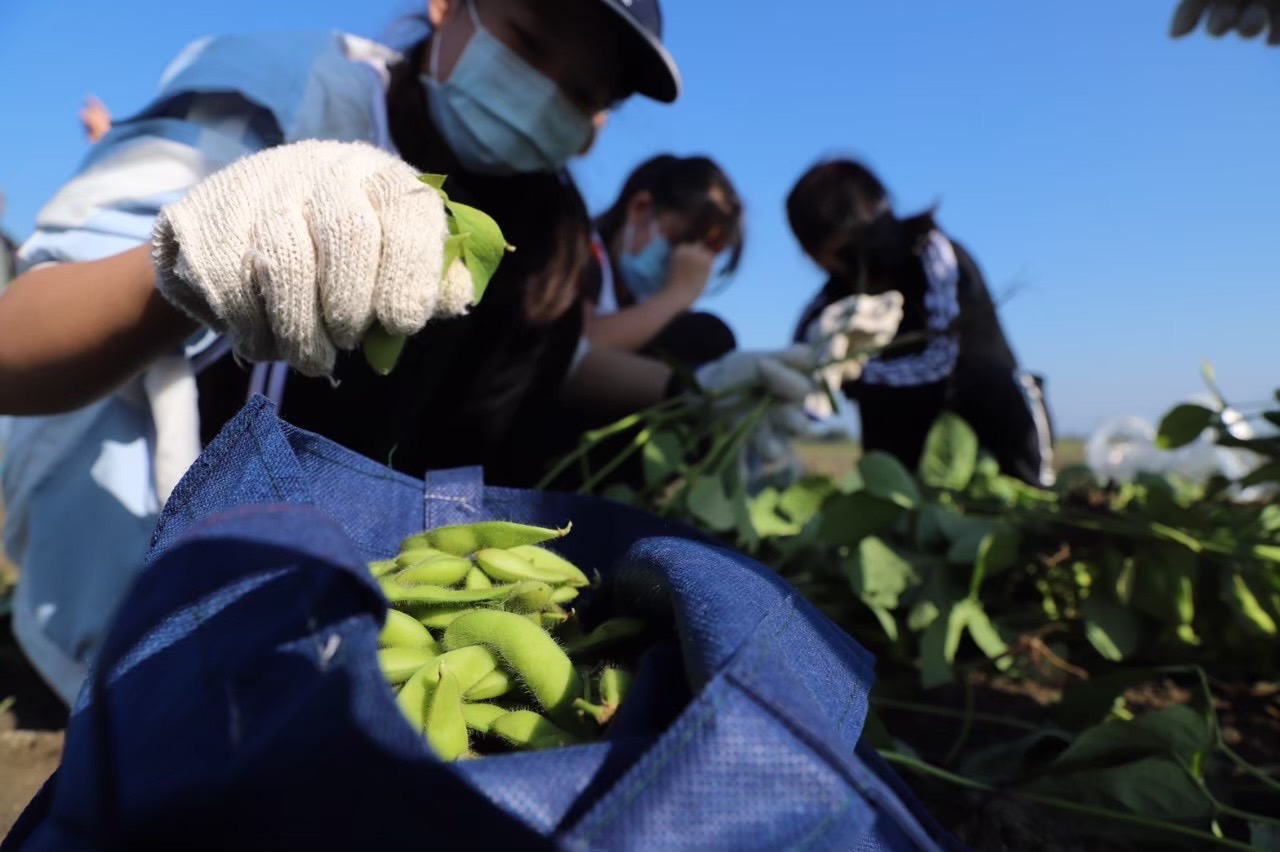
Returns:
(32, 720)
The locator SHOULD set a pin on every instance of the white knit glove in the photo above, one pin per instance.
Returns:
(294, 253)
(787, 375)
(840, 331)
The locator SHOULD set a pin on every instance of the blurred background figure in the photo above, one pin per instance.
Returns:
(8, 250)
(950, 350)
(657, 250)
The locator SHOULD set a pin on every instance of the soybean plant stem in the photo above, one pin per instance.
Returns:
(923, 768)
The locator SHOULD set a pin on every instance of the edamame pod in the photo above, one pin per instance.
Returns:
(446, 727)
(529, 596)
(466, 539)
(1249, 611)
(404, 631)
(399, 594)
(495, 684)
(480, 717)
(564, 595)
(607, 633)
(400, 664)
(412, 698)
(413, 556)
(525, 649)
(526, 729)
(477, 579)
(547, 560)
(440, 617)
(470, 665)
(614, 683)
(507, 566)
(435, 571)
(382, 567)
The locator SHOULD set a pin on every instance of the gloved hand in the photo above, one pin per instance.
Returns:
(294, 253)
(841, 330)
(787, 375)
(1247, 18)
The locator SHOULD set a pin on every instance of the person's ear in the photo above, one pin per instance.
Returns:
(640, 208)
(598, 121)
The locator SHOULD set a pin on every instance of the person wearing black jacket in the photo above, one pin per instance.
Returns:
(950, 351)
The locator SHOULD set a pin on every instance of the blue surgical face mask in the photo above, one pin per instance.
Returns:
(500, 115)
(645, 272)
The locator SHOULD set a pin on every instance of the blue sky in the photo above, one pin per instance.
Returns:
(1124, 183)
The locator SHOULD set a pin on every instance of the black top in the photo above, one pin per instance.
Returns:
(982, 342)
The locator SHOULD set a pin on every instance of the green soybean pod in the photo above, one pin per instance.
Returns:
(446, 727)
(547, 560)
(614, 683)
(441, 616)
(495, 684)
(525, 649)
(426, 594)
(400, 664)
(564, 595)
(401, 630)
(529, 596)
(412, 698)
(507, 566)
(607, 633)
(435, 571)
(529, 730)
(466, 539)
(480, 717)
(382, 567)
(469, 665)
(477, 579)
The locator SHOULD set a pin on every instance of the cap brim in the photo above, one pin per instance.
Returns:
(655, 74)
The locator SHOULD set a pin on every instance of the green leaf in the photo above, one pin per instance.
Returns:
(436, 182)
(709, 504)
(941, 642)
(382, 349)
(1164, 582)
(884, 476)
(1248, 610)
(802, 501)
(453, 249)
(1157, 788)
(620, 493)
(987, 637)
(998, 552)
(1270, 518)
(1111, 628)
(1182, 425)
(950, 454)
(1178, 732)
(765, 518)
(922, 615)
(485, 246)
(848, 518)
(661, 457)
(878, 575)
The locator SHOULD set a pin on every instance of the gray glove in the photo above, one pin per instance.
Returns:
(1247, 18)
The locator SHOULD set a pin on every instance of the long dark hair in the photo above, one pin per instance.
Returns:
(844, 198)
(684, 185)
(542, 215)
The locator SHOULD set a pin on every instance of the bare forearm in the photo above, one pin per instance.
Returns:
(634, 328)
(616, 384)
(72, 333)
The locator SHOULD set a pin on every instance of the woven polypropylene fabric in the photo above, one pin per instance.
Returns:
(237, 700)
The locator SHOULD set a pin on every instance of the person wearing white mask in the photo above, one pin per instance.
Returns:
(658, 246)
(244, 231)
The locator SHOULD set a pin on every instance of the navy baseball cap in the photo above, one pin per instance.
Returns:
(656, 74)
